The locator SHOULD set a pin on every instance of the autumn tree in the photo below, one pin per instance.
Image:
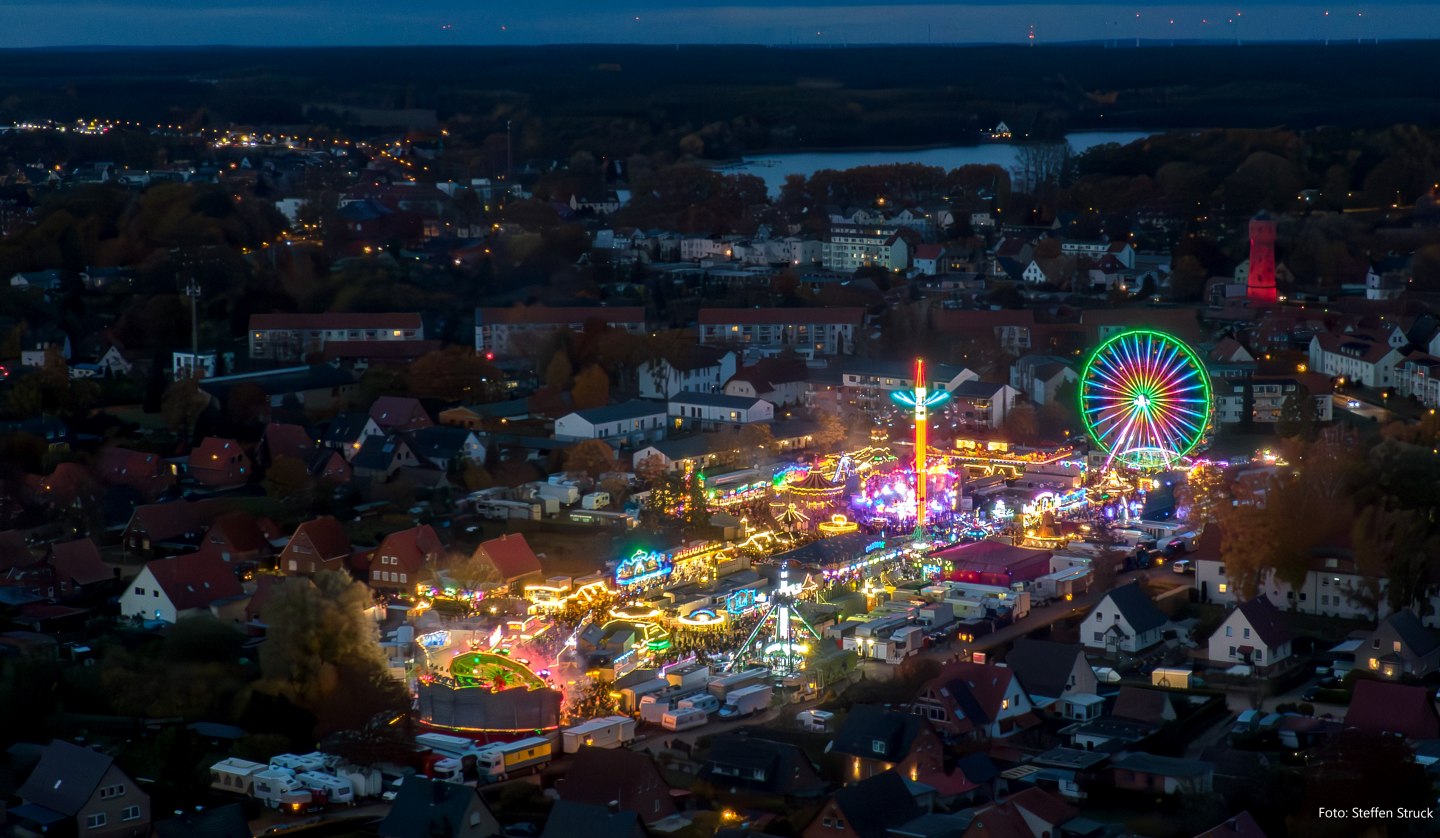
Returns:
(592, 388)
(757, 439)
(1297, 415)
(288, 478)
(559, 373)
(1021, 424)
(454, 374)
(831, 434)
(592, 456)
(650, 470)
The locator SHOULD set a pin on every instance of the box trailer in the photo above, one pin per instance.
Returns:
(723, 686)
(501, 762)
(745, 702)
(1174, 678)
(607, 732)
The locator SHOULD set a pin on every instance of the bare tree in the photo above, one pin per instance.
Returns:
(1043, 164)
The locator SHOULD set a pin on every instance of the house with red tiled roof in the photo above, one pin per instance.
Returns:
(286, 440)
(402, 559)
(629, 778)
(399, 413)
(1386, 707)
(144, 472)
(929, 259)
(177, 523)
(239, 537)
(511, 556)
(318, 544)
(76, 567)
(974, 700)
(219, 464)
(329, 465)
(69, 486)
(780, 381)
(181, 586)
(1031, 813)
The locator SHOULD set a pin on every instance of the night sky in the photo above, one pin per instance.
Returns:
(31, 23)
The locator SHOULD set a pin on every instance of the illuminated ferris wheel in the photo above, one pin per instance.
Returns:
(1145, 398)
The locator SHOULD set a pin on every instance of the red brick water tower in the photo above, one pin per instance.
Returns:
(1261, 285)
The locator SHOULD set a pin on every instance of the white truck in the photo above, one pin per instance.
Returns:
(684, 718)
(815, 721)
(606, 732)
(495, 763)
(746, 701)
(235, 775)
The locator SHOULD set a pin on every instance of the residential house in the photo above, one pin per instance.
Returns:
(1355, 358)
(1254, 633)
(399, 413)
(1400, 647)
(1333, 587)
(807, 331)
(981, 403)
(518, 329)
(181, 586)
(568, 818)
(318, 544)
(1242, 825)
(849, 247)
(702, 369)
(348, 431)
(713, 411)
(976, 701)
(1387, 707)
(293, 336)
(781, 381)
(1261, 399)
(868, 385)
(80, 791)
(445, 446)
(511, 557)
(380, 457)
(76, 567)
(148, 474)
(929, 259)
(750, 764)
(1152, 708)
(282, 440)
(867, 809)
(37, 344)
(404, 558)
(157, 527)
(424, 808)
(1153, 774)
(1126, 620)
(875, 739)
(602, 776)
(698, 452)
(238, 537)
(219, 464)
(1048, 670)
(1419, 378)
(1039, 378)
(629, 422)
(1031, 813)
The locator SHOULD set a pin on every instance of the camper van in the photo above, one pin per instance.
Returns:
(685, 719)
(271, 785)
(336, 789)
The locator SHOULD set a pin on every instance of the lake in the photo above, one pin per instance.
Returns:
(773, 168)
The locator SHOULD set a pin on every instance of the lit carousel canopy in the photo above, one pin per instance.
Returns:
(815, 490)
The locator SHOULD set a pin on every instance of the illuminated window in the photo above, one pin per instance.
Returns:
(1223, 587)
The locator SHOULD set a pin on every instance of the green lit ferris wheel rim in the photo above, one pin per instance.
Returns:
(1145, 398)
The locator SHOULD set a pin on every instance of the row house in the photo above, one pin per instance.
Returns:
(1419, 378)
(1260, 399)
(713, 411)
(1123, 252)
(867, 384)
(982, 403)
(1355, 358)
(290, 337)
(807, 331)
(850, 247)
(505, 331)
(1333, 587)
(628, 422)
(1040, 377)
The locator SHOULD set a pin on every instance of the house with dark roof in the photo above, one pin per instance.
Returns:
(867, 809)
(425, 808)
(713, 411)
(318, 544)
(403, 558)
(1400, 646)
(180, 524)
(219, 464)
(442, 446)
(348, 431)
(1048, 670)
(740, 761)
(1161, 775)
(1385, 707)
(511, 557)
(79, 791)
(569, 818)
(1126, 620)
(690, 367)
(628, 422)
(874, 739)
(199, 583)
(976, 701)
(380, 457)
(1254, 633)
(1138, 704)
(630, 779)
